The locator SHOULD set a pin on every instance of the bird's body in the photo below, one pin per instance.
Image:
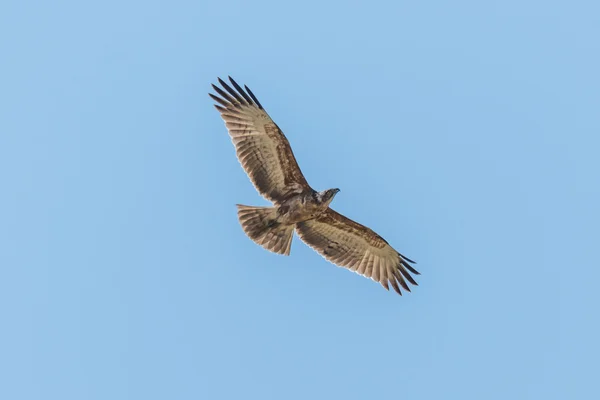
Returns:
(304, 206)
(266, 155)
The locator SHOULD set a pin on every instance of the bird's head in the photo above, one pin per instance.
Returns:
(327, 196)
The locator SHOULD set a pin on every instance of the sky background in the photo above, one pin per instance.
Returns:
(466, 133)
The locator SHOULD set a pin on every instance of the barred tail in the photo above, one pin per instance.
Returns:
(260, 224)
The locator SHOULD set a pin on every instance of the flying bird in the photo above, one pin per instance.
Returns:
(266, 155)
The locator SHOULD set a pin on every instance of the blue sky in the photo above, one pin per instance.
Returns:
(466, 133)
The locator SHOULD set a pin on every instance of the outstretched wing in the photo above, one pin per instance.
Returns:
(351, 245)
(261, 147)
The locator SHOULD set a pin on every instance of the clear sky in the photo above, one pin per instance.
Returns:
(466, 133)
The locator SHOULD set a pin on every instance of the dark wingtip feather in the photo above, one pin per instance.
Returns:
(403, 283)
(240, 90)
(254, 97)
(385, 285)
(411, 269)
(214, 88)
(395, 286)
(220, 109)
(231, 91)
(408, 277)
(225, 95)
(219, 100)
(406, 258)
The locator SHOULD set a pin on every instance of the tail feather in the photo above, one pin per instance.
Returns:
(260, 224)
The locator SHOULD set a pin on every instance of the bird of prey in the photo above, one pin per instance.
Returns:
(265, 154)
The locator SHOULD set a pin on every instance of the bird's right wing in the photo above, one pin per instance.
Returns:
(261, 147)
(353, 246)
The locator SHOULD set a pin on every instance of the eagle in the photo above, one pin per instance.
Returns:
(266, 155)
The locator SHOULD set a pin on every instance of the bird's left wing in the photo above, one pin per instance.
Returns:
(261, 147)
(353, 246)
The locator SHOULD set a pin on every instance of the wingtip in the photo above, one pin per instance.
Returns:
(253, 97)
(407, 259)
(395, 286)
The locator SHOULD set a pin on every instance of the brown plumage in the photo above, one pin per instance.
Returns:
(266, 156)
(262, 149)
